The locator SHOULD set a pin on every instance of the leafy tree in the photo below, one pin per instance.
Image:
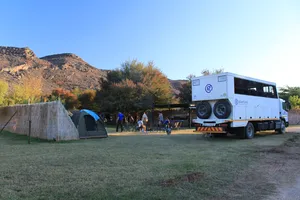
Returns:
(88, 100)
(287, 92)
(157, 84)
(29, 91)
(207, 72)
(126, 95)
(295, 102)
(133, 70)
(148, 84)
(67, 98)
(71, 101)
(58, 94)
(185, 91)
(3, 91)
(76, 91)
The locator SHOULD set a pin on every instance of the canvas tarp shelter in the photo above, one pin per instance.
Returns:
(88, 124)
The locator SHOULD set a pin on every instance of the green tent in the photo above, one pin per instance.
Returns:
(88, 124)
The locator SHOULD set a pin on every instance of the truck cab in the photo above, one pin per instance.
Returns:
(285, 106)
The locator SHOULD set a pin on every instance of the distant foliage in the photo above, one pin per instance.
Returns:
(134, 87)
(295, 102)
(28, 92)
(58, 94)
(76, 99)
(127, 95)
(3, 92)
(76, 91)
(72, 102)
(87, 100)
(286, 92)
(185, 92)
(156, 84)
(207, 72)
(69, 99)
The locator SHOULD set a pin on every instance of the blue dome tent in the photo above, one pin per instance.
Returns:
(88, 124)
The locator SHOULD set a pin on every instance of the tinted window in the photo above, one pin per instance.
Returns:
(253, 88)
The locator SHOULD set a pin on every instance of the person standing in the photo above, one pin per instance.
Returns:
(167, 124)
(160, 118)
(120, 121)
(145, 120)
(130, 119)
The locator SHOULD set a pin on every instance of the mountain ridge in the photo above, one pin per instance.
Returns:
(63, 70)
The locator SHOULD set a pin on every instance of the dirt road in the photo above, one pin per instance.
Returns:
(286, 170)
(295, 129)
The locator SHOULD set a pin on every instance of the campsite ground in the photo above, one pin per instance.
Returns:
(153, 166)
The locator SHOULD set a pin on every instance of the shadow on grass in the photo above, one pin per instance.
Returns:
(18, 138)
(266, 133)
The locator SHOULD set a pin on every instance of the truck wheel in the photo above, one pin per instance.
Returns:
(249, 131)
(282, 128)
(203, 110)
(222, 109)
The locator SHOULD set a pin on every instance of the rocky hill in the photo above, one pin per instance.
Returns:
(60, 70)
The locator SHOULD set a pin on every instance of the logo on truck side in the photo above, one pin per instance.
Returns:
(240, 102)
(208, 88)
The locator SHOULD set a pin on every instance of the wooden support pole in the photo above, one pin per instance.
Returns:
(8, 121)
(190, 124)
(29, 131)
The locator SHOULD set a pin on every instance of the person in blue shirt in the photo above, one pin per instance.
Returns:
(120, 121)
(167, 124)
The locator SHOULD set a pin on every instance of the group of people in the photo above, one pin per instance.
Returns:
(141, 122)
(162, 122)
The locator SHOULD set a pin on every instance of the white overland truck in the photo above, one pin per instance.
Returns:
(237, 104)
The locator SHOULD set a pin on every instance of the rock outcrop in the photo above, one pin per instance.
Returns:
(18, 52)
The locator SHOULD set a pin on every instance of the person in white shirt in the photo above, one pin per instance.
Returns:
(141, 126)
(160, 119)
(145, 120)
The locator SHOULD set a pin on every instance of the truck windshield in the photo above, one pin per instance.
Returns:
(284, 106)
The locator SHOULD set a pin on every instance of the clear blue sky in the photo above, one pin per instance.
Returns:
(258, 38)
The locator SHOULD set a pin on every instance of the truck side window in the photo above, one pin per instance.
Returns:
(274, 91)
(253, 88)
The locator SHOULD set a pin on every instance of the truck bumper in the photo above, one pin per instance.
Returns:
(204, 129)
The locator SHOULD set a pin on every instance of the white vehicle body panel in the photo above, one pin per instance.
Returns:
(244, 107)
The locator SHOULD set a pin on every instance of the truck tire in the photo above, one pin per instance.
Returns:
(282, 128)
(249, 131)
(222, 109)
(246, 132)
(203, 110)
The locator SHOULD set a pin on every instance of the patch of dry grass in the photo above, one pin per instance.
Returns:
(131, 167)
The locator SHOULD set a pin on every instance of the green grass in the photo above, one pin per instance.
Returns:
(132, 167)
